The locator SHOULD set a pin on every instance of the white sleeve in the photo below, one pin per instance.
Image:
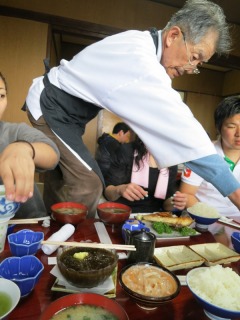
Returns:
(189, 177)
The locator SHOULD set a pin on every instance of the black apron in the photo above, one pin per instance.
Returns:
(67, 116)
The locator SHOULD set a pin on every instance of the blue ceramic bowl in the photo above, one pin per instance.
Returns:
(25, 242)
(7, 208)
(202, 223)
(212, 311)
(24, 271)
(235, 237)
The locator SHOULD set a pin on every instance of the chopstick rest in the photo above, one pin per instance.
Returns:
(61, 235)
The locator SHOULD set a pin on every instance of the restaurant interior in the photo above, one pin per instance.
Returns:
(58, 29)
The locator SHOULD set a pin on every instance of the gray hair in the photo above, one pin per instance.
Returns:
(197, 18)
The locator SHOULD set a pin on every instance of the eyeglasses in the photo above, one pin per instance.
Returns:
(190, 64)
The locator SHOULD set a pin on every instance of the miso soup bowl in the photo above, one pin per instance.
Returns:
(79, 299)
(89, 271)
(113, 212)
(69, 212)
(150, 276)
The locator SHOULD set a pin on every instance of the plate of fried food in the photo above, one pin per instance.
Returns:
(167, 224)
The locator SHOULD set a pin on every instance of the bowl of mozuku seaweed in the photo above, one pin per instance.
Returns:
(86, 267)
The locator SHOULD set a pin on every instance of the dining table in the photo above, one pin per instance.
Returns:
(183, 307)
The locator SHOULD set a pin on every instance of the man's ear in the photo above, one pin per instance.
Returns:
(120, 133)
(174, 33)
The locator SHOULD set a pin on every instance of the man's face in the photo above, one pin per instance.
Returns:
(3, 98)
(230, 133)
(180, 56)
(124, 137)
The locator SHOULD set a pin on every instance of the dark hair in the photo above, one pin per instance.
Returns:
(140, 150)
(120, 126)
(4, 80)
(227, 108)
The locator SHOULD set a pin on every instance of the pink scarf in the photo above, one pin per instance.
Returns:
(141, 177)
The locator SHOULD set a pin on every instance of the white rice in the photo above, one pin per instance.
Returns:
(203, 210)
(217, 285)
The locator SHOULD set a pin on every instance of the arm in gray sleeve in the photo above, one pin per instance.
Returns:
(214, 169)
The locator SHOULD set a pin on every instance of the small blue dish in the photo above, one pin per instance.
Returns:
(25, 242)
(235, 238)
(24, 271)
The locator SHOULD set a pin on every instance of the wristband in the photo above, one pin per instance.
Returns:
(29, 143)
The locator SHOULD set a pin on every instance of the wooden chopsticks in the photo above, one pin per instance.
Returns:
(91, 245)
(28, 221)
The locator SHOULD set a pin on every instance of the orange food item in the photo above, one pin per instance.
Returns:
(149, 281)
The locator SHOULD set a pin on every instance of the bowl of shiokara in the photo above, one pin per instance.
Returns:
(81, 306)
(203, 215)
(149, 285)
(217, 290)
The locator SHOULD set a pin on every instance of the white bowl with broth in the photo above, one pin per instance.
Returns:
(9, 297)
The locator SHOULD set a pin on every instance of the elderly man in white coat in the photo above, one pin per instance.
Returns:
(130, 75)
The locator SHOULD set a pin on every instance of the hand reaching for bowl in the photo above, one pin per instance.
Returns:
(17, 167)
(17, 171)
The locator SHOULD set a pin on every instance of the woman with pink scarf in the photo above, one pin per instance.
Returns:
(135, 180)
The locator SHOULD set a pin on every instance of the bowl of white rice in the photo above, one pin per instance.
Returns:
(217, 289)
(203, 215)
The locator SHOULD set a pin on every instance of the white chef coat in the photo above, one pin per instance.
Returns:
(208, 193)
(122, 74)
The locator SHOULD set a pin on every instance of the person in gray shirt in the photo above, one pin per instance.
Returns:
(23, 150)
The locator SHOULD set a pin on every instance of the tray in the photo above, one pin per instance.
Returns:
(110, 294)
(177, 257)
(215, 253)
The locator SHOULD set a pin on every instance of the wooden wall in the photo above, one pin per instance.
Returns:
(22, 49)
